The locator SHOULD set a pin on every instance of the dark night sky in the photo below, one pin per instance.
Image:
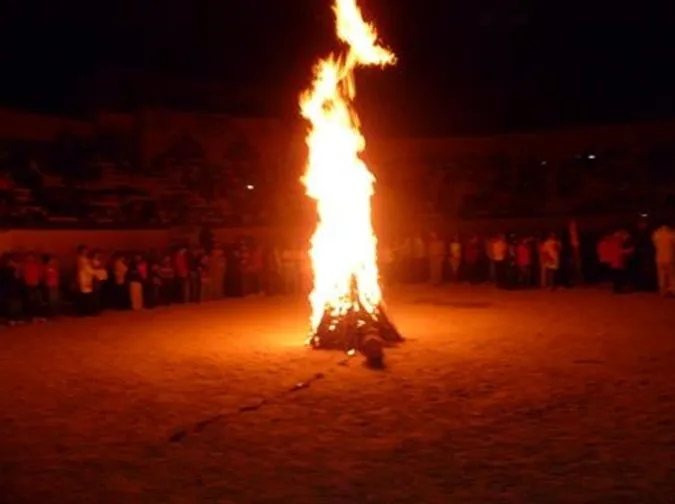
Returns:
(465, 66)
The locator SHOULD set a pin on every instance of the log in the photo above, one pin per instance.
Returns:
(347, 331)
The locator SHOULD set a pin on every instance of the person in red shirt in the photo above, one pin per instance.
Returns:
(52, 283)
(524, 263)
(619, 251)
(32, 279)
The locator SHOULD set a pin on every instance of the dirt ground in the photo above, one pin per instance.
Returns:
(518, 397)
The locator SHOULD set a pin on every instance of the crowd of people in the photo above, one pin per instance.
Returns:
(35, 288)
(639, 260)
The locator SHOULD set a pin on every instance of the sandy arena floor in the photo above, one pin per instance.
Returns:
(519, 397)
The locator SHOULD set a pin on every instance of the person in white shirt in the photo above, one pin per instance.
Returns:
(664, 243)
(85, 282)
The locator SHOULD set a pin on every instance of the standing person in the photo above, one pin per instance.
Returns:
(603, 250)
(194, 276)
(472, 258)
(387, 259)
(218, 272)
(181, 269)
(167, 282)
(404, 261)
(245, 276)
(143, 267)
(256, 268)
(32, 280)
(10, 282)
(289, 273)
(643, 265)
(436, 259)
(273, 269)
(455, 258)
(512, 275)
(550, 261)
(565, 275)
(52, 283)
(205, 280)
(489, 254)
(420, 253)
(664, 244)
(120, 271)
(306, 271)
(524, 263)
(86, 274)
(621, 248)
(499, 256)
(135, 277)
(535, 259)
(99, 284)
(153, 285)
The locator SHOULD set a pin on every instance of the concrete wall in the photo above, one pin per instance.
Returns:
(64, 242)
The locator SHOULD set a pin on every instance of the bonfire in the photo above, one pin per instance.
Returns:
(347, 309)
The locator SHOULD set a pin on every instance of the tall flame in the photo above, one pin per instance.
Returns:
(344, 246)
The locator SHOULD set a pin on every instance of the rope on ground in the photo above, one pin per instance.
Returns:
(198, 427)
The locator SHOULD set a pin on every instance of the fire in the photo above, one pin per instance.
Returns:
(344, 246)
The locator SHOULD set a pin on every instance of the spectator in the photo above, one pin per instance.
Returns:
(436, 259)
(387, 263)
(52, 283)
(472, 258)
(620, 250)
(10, 282)
(290, 270)
(218, 264)
(181, 268)
(136, 280)
(455, 258)
(489, 252)
(575, 244)
(205, 280)
(86, 274)
(524, 263)
(154, 286)
(499, 260)
(121, 291)
(604, 256)
(664, 243)
(100, 285)
(168, 286)
(550, 261)
(420, 258)
(194, 276)
(32, 280)
(256, 267)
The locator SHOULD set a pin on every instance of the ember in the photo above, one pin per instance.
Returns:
(346, 300)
